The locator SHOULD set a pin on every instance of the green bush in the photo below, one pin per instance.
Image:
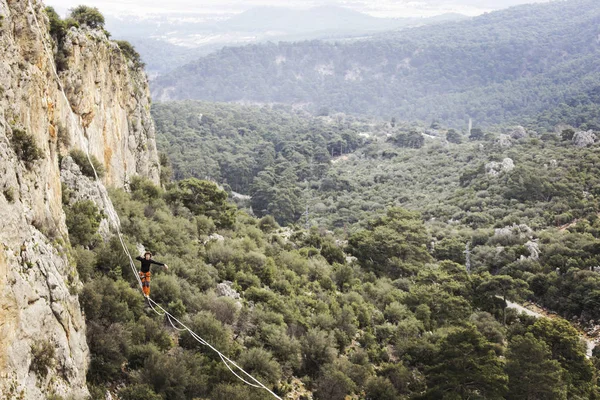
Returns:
(260, 364)
(268, 224)
(333, 385)
(212, 330)
(81, 159)
(204, 198)
(9, 194)
(85, 260)
(317, 350)
(83, 220)
(224, 391)
(130, 53)
(172, 375)
(205, 225)
(143, 189)
(333, 253)
(150, 331)
(453, 137)
(88, 16)
(25, 147)
(380, 388)
(63, 137)
(166, 288)
(112, 260)
(58, 29)
(107, 301)
(109, 347)
(43, 357)
(138, 392)
(66, 194)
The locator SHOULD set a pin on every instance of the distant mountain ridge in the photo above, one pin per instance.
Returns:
(323, 18)
(166, 42)
(502, 66)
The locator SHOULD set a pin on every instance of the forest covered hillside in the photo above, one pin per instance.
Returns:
(509, 65)
(524, 201)
(167, 42)
(396, 320)
(374, 300)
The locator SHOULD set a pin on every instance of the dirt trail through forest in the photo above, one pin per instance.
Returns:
(537, 312)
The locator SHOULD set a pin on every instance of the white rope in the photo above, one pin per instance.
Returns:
(117, 224)
(239, 377)
(154, 309)
(173, 325)
(223, 357)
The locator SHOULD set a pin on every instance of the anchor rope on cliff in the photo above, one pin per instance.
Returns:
(235, 369)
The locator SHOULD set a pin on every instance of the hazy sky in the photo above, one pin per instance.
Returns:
(380, 8)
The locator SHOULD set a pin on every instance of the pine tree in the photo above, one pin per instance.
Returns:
(532, 374)
(466, 367)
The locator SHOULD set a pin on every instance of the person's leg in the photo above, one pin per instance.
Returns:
(147, 287)
(145, 283)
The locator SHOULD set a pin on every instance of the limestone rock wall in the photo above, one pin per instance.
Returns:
(112, 100)
(39, 305)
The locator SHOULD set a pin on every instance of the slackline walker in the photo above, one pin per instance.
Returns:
(235, 369)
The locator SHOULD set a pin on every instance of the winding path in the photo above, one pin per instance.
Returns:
(590, 343)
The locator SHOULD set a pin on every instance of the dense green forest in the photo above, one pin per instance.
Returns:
(526, 201)
(530, 62)
(396, 322)
(268, 152)
(384, 309)
(373, 299)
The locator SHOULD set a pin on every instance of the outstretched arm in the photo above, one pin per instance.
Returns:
(159, 263)
(139, 258)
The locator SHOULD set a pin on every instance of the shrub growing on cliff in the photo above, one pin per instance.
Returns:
(81, 159)
(83, 220)
(25, 147)
(63, 137)
(58, 28)
(89, 16)
(58, 31)
(9, 194)
(130, 53)
(42, 355)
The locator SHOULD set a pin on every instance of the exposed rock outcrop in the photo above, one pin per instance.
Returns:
(518, 133)
(494, 168)
(505, 141)
(534, 250)
(81, 188)
(521, 231)
(584, 138)
(39, 306)
(112, 99)
(225, 289)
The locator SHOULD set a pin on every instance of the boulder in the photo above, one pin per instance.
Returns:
(495, 168)
(584, 138)
(518, 133)
(225, 289)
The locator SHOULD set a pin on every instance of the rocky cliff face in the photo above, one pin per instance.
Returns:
(43, 349)
(112, 99)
